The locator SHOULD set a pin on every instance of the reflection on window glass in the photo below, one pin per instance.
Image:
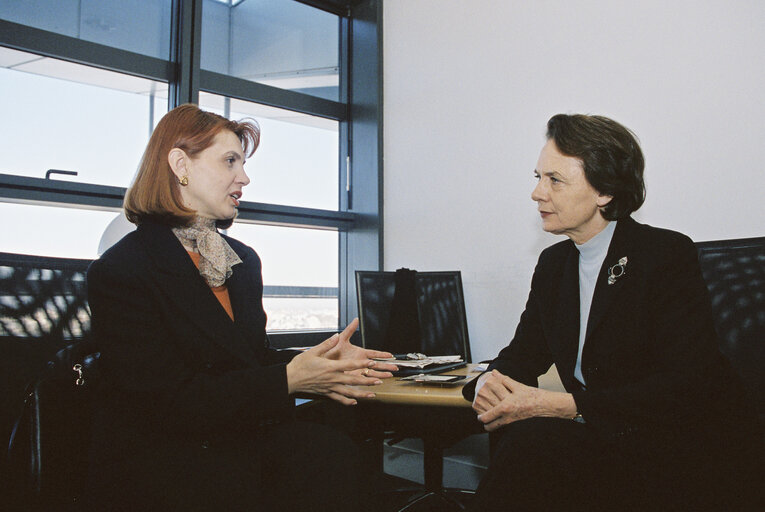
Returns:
(300, 274)
(301, 314)
(51, 231)
(140, 26)
(282, 43)
(297, 161)
(59, 115)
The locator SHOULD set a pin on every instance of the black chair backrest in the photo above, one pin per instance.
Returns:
(43, 309)
(734, 271)
(43, 297)
(436, 311)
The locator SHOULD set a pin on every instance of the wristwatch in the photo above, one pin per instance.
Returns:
(578, 417)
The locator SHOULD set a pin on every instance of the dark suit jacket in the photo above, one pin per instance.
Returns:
(185, 390)
(650, 360)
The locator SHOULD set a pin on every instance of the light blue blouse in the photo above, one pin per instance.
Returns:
(592, 253)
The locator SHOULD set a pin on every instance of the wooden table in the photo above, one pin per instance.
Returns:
(402, 392)
(438, 414)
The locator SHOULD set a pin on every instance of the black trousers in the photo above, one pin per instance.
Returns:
(289, 466)
(309, 467)
(543, 464)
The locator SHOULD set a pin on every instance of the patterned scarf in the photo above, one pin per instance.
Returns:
(216, 256)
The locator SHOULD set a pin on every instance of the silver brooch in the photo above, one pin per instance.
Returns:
(617, 270)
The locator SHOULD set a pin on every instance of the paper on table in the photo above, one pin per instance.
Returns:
(422, 363)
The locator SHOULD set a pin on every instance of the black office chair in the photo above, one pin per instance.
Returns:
(409, 311)
(734, 271)
(44, 418)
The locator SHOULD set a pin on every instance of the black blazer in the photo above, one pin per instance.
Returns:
(650, 360)
(184, 389)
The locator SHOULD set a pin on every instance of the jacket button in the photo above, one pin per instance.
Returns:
(208, 365)
(205, 444)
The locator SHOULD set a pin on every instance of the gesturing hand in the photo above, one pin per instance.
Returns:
(344, 350)
(313, 372)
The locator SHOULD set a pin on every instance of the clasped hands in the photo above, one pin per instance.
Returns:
(334, 366)
(500, 400)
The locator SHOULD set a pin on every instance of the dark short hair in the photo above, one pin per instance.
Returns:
(155, 192)
(611, 155)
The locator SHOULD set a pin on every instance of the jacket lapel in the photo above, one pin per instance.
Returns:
(245, 289)
(606, 295)
(179, 279)
(567, 335)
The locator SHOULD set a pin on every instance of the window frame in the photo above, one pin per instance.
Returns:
(358, 218)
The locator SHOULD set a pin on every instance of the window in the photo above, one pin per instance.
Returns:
(281, 43)
(140, 26)
(300, 275)
(83, 83)
(67, 232)
(77, 118)
(297, 161)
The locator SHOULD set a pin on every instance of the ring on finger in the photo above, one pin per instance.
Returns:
(366, 372)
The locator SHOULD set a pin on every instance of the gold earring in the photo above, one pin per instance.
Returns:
(184, 181)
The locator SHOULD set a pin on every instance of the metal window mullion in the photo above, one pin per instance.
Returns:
(344, 164)
(363, 245)
(293, 292)
(294, 216)
(185, 51)
(246, 90)
(71, 49)
(338, 7)
(23, 189)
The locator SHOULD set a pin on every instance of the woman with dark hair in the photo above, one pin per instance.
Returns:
(652, 418)
(194, 409)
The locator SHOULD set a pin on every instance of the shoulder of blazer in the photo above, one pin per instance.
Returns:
(556, 252)
(127, 255)
(150, 248)
(551, 262)
(655, 244)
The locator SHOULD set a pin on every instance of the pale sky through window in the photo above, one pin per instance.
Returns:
(100, 132)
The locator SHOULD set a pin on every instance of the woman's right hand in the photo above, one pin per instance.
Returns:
(312, 372)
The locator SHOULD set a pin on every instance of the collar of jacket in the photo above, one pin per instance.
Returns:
(605, 295)
(179, 278)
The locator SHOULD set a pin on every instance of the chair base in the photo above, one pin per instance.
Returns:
(423, 500)
(446, 499)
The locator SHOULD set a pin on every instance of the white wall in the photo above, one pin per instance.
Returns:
(470, 84)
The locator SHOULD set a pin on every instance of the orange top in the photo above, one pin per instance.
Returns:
(221, 292)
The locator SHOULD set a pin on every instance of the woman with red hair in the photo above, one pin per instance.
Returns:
(195, 410)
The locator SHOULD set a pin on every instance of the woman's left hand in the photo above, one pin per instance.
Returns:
(344, 350)
(502, 400)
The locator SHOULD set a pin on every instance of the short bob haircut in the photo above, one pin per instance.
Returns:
(155, 193)
(611, 156)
